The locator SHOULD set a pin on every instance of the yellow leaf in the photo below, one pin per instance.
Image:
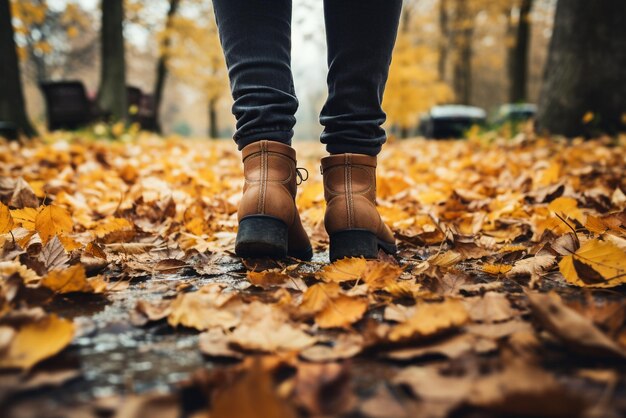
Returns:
(70, 244)
(268, 278)
(567, 207)
(51, 221)
(37, 341)
(316, 297)
(111, 224)
(595, 264)
(341, 311)
(588, 117)
(496, 268)
(25, 217)
(6, 220)
(343, 270)
(380, 274)
(72, 279)
(430, 319)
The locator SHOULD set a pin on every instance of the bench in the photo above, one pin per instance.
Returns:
(69, 107)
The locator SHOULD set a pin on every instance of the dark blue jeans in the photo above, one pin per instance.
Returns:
(256, 38)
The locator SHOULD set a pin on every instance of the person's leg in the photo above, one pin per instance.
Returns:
(256, 39)
(360, 36)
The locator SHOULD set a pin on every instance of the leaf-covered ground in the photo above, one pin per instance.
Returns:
(119, 294)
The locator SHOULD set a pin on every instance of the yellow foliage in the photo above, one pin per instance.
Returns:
(430, 319)
(37, 341)
(6, 220)
(595, 264)
(72, 279)
(413, 85)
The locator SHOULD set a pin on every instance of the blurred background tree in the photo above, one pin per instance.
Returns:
(12, 110)
(584, 92)
(112, 90)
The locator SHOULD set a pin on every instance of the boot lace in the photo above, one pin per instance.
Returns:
(303, 175)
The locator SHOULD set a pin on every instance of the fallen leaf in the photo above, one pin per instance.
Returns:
(37, 341)
(266, 328)
(341, 312)
(316, 297)
(567, 207)
(342, 347)
(344, 270)
(53, 255)
(524, 390)
(215, 343)
(52, 220)
(203, 309)
(71, 279)
(268, 278)
(23, 195)
(577, 332)
(496, 269)
(595, 264)
(324, 389)
(490, 307)
(25, 217)
(430, 319)
(6, 220)
(253, 395)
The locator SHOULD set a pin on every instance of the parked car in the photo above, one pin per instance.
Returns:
(515, 112)
(451, 121)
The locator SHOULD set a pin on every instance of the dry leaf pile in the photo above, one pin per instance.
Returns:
(507, 296)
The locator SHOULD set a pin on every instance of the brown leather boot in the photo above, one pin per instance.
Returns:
(352, 221)
(269, 223)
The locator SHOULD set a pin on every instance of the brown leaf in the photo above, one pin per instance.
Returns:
(253, 395)
(53, 255)
(215, 343)
(577, 332)
(491, 307)
(266, 328)
(344, 346)
(324, 389)
(203, 309)
(23, 196)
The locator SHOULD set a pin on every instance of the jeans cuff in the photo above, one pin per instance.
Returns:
(278, 136)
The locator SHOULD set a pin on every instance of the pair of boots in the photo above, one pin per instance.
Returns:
(269, 223)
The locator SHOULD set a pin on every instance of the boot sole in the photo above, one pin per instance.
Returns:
(260, 236)
(357, 243)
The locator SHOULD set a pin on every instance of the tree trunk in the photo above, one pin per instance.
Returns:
(162, 63)
(463, 60)
(444, 39)
(213, 128)
(518, 55)
(12, 108)
(585, 71)
(112, 92)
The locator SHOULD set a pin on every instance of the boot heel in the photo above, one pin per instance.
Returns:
(353, 243)
(261, 236)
